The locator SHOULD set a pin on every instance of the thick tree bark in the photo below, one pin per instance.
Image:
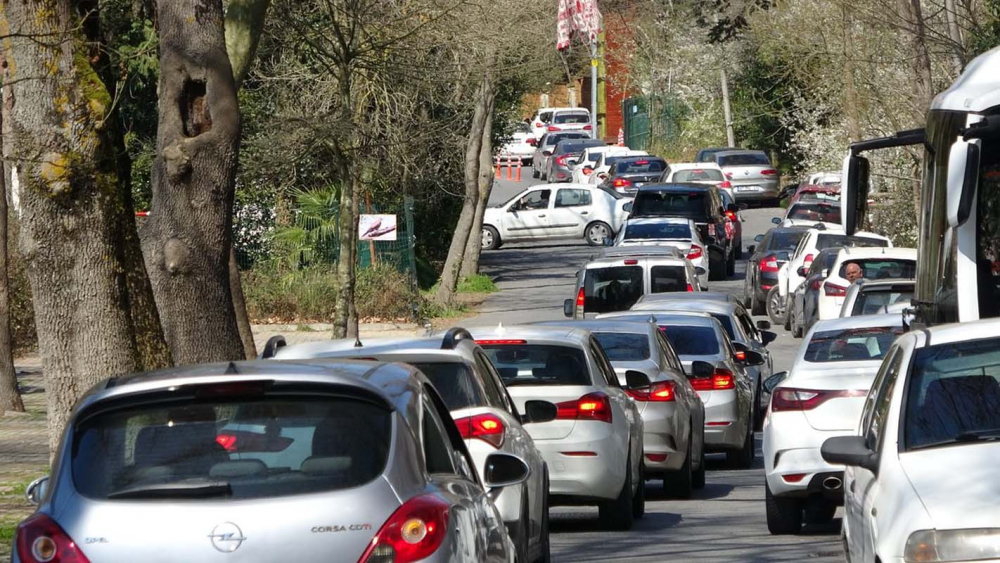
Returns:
(54, 135)
(188, 235)
(10, 395)
(456, 252)
(473, 247)
(921, 83)
(850, 88)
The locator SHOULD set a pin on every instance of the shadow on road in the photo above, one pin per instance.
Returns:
(575, 523)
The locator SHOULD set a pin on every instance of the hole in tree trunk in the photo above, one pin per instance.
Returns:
(194, 109)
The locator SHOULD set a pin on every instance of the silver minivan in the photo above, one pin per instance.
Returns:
(265, 461)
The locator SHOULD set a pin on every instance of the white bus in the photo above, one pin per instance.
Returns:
(958, 265)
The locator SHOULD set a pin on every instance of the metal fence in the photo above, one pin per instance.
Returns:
(650, 119)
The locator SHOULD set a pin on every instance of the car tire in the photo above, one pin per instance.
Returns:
(545, 551)
(819, 511)
(758, 419)
(598, 229)
(535, 173)
(747, 299)
(680, 483)
(639, 500)
(731, 265)
(775, 309)
(522, 532)
(784, 515)
(743, 457)
(797, 329)
(490, 238)
(739, 249)
(698, 476)
(617, 514)
(716, 266)
(756, 307)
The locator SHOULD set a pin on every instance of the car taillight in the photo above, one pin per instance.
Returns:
(227, 441)
(561, 160)
(662, 392)
(588, 128)
(768, 172)
(532, 141)
(593, 406)
(740, 356)
(539, 124)
(731, 215)
(622, 183)
(690, 287)
(580, 300)
(554, 128)
(792, 399)
(726, 184)
(588, 171)
(808, 261)
(694, 252)
(631, 262)
(729, 175)
(834, 290)
(40, 540)
(487, 427)
(500, 342)
(413, 532)
(721, 380)
(769, 264)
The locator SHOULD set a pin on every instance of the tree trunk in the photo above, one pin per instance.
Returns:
(10, 395)
(850, 88)
(240, 307)
(921, 84)
(473, 247)
(448, 283)
(955, 34)
(345, 321)
(188, 235)
(68, 202)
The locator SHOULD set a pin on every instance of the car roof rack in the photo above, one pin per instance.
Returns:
(274, 344)
(453, 337)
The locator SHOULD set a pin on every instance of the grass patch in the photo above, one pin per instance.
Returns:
(8, 527)
(304, 328)
(478, 283)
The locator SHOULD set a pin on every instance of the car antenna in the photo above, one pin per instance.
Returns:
(231, 369)
(357, 340)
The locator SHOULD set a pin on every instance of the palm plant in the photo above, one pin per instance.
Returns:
(311, 239)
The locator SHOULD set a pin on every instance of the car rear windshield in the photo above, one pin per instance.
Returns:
(698, 175)
(268, 446)
(538, 364)
(819, 212)
(953, 394)
(640, 166)
(666, 279)
(572, 118)
(624, 347)
(611, 289)
(455, 383)
(839, 241)
(743, 159)
(785, 240)
(871, 302)
(689, 340)
(692, 205)
(851, 345)
(884, 268)
(657, 231)
(553, 139)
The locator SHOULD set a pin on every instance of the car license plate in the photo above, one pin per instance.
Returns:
(748, 188)
(639, 184)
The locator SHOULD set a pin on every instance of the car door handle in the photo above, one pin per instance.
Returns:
(874, 511)
(541, 215)
(584, 212)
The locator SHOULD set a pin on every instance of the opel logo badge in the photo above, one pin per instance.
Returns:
(227, 537)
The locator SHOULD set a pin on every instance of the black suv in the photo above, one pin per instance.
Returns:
(703, 205)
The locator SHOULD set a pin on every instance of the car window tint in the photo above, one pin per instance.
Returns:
(572, 118)
(666, 279)
(603, 364)
(454, 382)
(668, 350)
(612, 289)
(814, 212)
(747, 324)
(851, 345)
(624, 347)
(267, 446)
(840, 241)
(538, 364)
(743, 159)
(438, 454)
(872, 302)
(698, 175)
(538, 199)
(875, 433)
(783, 240)
(545, 117)
(691, 205)
(883, 268)
(727, 323)
(689, 340)
(869, 409)
(640, 165)
(572, 198)
(657, 231)
(494, 394)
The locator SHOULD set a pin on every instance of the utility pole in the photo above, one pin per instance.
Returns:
(725, 108)
(593, 87)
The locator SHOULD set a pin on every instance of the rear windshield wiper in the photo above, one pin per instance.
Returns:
(516, 382)
(198, 489)
(977, 435)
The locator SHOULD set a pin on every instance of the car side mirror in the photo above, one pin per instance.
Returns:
(636, 380)
(547, 153)
(700, 271)
(36, 490)
(850, 450)
(627, 207)
(751, 358)
(776, 220)
(758, 238)
(702, 369)
(539, 411)
(764, 325)
(803, 271)
(767, 337)
(771, 382)
(504, 470)
(752, 249)
(568, 307)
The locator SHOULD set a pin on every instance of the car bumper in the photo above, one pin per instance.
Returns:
(792, 448)
(722, 422)
(755, 191)
(594, 476)
(659, 438)
(560, 174)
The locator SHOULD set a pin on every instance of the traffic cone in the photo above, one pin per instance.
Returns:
(510, 166)
(621, 137)
(496, 161)
(517, 176)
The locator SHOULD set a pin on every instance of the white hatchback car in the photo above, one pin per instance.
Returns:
(594, 447)
(707, 173)
(555, 211)
(921, 468)
(821, 397)
(666, 231)
(876, 264)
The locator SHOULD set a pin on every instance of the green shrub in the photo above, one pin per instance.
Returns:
(385, 293)
(478, 283)
(305, 295)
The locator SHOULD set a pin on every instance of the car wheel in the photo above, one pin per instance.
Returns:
(796, 328)
(743, 457)
(639, 500)
(758, 419)
(739, 249)
(490, 238)
(784, 515)
(545, 551)
(747, 299)
(731, 265)
(597, 232)
(819, 511)
(617, 514)
(756, 307)
(716, 266)
(698, 476)
(535, 173)
(775, 306)
(680, 483)
(522, 532)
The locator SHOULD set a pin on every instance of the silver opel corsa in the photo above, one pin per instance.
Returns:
(267, 461)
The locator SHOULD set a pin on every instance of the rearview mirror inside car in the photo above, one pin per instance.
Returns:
(636, 379)
(568, 307)
(504, 470)
(539, 411)
(850, 450)
(702, 369)
(771, 382)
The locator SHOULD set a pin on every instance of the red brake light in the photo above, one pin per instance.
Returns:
(791, 399)
(641, 162)
(731, 215)
(593, 406)
(726, 184)
(580, 299)
(631, 262)
(622, 182)
(539, 124)
(532, 141)
(768, 172)
(561, 160)
(834, 290)
(587, 171)
(501, 342)
(487, 427)
(413, 532)
(808, 261)
(729, 175)
(694, 252)
(41, 540)
(587, 128)
(554, 128)
(721, 380)
(769, 264)
(227, 441)
(662, 392)
(690, 287)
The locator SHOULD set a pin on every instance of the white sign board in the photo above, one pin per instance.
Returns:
(377, 227)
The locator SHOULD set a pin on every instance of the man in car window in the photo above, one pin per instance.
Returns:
(853, 272)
